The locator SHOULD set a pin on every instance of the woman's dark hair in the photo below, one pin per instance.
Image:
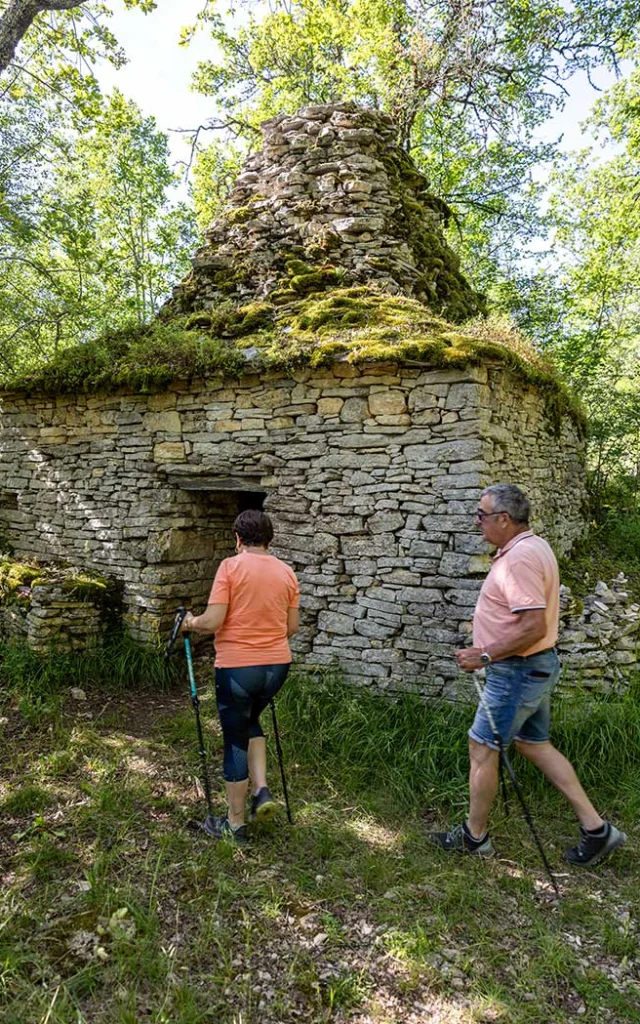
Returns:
(254, 528)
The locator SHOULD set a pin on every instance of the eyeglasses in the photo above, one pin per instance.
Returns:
(481, 514)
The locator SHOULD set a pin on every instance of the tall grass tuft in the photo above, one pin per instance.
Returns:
(402, 751)
(117, 664)
(406, 753)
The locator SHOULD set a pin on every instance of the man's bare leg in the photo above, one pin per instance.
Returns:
(561, 773)
(483, 786)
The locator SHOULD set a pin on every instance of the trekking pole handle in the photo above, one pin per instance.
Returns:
(179, 619)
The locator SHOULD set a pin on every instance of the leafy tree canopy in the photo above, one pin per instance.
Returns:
(468, 84)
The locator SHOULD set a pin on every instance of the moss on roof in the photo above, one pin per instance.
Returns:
(357, 324)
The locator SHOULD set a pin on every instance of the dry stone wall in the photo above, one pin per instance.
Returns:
(600, 637)
(54, 615)
(371, 473)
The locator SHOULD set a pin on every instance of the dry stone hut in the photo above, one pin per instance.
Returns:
(309, 364)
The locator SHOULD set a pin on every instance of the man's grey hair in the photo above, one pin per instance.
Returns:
(509, 498)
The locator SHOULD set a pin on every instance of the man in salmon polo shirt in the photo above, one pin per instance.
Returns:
(515, 628)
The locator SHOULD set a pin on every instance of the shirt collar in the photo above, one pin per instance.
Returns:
(514, 540)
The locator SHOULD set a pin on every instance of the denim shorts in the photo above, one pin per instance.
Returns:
(518, 692)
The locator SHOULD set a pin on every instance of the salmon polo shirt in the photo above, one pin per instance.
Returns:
(259, 590)
(523, 576)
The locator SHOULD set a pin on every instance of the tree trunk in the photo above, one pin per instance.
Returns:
(17, 19)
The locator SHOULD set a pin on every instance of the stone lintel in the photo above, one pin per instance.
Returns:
(204, 478)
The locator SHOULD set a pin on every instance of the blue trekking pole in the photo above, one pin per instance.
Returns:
(180, 615)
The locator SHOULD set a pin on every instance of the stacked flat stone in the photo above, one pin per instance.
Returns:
(57, 620)
(332, 188)
(600, 645)
(51, 617)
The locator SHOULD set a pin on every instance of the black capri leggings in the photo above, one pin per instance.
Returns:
(242, 694)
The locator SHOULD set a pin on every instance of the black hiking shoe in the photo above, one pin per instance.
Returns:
(263, 806)
(593, 848)
(460, 840)
(221, 828)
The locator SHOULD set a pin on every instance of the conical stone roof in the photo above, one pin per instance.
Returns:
(331, 201)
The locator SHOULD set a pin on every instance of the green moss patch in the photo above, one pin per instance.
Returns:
(18, 579)
(358, 324)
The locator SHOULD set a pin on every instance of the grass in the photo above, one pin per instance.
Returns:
(37, 677)
(112, 913)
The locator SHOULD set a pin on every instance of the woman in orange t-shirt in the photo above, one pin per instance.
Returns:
(253, 610)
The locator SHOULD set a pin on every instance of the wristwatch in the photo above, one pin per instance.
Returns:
(485, 658)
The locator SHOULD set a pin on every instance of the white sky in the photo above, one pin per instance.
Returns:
(159, 71)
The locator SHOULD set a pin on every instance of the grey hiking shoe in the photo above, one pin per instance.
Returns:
(263, 806)
(459, 840)
(593, 848)
(220, 828)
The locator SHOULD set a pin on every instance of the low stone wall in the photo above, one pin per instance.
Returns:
(57, 611)
(599, 641)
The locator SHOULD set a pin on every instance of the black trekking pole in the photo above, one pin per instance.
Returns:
(504, 759)
(503, 789)
(180, 615)
(281, 760)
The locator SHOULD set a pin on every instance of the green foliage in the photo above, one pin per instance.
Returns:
(214, 172)
(351, 736)
(27, 799)
(95, 860)
(468, 89)
(609, 547)
(582, 306)
(89, 235)
(37, 678)
(417, 751)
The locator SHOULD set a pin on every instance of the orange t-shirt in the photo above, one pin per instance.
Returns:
(259, 590)
(523, 576)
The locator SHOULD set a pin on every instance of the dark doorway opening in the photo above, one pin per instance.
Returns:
(203, 538)
(251, 500)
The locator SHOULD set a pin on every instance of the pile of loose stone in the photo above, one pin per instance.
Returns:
(330, 200)
(600, 643)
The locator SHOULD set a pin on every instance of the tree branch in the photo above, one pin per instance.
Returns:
(17, 20)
